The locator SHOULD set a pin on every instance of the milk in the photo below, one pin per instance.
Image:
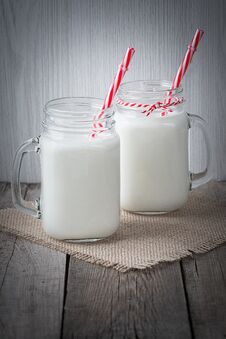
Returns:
(154, 161)
(80, 186)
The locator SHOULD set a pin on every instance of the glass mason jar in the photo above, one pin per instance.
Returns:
(80, 175)
(155, 175)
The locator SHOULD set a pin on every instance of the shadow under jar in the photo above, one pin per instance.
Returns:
(155, 176)
(80, 175)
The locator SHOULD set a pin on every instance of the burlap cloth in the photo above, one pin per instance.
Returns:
(141, 241)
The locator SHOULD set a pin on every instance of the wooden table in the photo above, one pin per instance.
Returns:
(47, 294)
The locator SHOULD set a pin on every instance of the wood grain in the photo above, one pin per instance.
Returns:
(31, 295)
(205, 283)
(6, 195)
(42, 295)
(72, 48)
(103, 303)
(31, 285)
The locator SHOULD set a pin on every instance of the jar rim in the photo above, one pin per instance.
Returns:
(146, 88)
(76, 114)
(81, 109)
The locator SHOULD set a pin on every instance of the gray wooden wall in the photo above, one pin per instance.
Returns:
(53, 48)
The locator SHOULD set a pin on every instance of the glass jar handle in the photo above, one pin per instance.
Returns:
(201, 178)
(31, 208)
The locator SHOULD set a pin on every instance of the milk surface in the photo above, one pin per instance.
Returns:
(80, 187)
(154, 161)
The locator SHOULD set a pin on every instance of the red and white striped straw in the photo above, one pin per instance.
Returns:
(192, 47)
(187, 59)
(123, 68)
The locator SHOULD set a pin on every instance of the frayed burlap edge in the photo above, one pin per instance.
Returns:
(59, 246)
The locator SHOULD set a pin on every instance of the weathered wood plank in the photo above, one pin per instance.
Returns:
(6, 195)
(205, 283)
(33, 191)
(31, 288)
(7, 241)
(103, 303)
(31, 295)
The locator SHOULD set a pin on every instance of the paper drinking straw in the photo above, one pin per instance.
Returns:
(192, 47)
(175, 84)
(123, 68)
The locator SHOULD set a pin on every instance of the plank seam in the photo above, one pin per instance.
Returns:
(220, 266)
(26, 191)
(65, 293)
(187, 299)
(6, 270)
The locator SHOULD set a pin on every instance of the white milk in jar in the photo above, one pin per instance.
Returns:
(155, 175)
(80, 175)
(85, 201)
